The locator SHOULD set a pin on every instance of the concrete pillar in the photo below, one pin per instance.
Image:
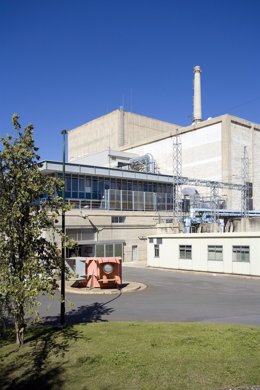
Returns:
(121, 132)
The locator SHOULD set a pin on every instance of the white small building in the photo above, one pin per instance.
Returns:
(231, 253)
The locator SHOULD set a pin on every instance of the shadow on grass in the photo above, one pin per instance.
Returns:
(86, 314)
(27, 369)
(46, 348)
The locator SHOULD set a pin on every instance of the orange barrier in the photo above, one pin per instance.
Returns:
(103, 272)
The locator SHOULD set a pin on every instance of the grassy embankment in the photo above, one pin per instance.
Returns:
(132, 356)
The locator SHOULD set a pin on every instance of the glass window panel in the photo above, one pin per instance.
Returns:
(140, 186)
(87, 234)
(241, 254)
(101, 188)
(72, 234)
(156, 250)
(185, 252)
(215, 253)
(88, 183)
(81, 184)
(109, 250)
(119, 250)
(118, 184)
(118, 219)
(67, 183)
(100, 252)
(113, 184)
(75, 184)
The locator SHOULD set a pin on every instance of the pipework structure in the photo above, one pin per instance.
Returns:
(245, 179)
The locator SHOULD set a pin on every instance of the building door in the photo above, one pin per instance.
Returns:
(134, 253)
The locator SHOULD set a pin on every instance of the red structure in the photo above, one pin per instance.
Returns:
(103, 272)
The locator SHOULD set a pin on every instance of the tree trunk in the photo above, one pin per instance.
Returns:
(20, 326)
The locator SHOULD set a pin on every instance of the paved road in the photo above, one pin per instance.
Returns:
(169, 296)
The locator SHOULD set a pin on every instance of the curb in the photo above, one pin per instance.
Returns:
(128, 287)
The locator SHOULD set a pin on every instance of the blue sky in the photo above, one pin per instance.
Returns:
(65, 62)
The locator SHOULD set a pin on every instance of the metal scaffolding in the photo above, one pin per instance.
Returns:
(214, 196)
(210, 183)
(177, 175)
(245, 179)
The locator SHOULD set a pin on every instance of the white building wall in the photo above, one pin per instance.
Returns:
(169, 252)
(255, 164)
(241, 136)
(201, 153)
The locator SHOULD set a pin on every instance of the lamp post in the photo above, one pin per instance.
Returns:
(63, 249)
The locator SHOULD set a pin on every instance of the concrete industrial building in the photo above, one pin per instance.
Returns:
(212, 149)
(120, 178)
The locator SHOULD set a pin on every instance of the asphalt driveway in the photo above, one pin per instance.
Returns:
(170, 296)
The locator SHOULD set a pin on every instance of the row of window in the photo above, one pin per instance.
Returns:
(92, 187)
(240, 253)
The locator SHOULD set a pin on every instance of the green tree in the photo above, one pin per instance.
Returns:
(27, 257)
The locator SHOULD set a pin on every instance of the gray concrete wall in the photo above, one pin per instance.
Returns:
(94, 136)
(114, 130)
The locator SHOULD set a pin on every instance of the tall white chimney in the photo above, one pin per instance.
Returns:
(197, 113)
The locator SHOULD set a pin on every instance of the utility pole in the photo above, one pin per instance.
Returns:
(63, 249)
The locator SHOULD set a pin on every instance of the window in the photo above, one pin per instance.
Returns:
(159, 240)
(100, 250)
(80, 234)
(241, 254)
(118, 250)
(109, 250)
(156, 250)
(215, 253)
(185, 252)
(119, 219)
(150, 240)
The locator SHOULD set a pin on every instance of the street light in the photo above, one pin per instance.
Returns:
(63, 249)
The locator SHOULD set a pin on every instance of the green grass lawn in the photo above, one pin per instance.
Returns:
(132, 356)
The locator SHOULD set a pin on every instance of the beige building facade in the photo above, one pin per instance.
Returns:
(116, 129)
